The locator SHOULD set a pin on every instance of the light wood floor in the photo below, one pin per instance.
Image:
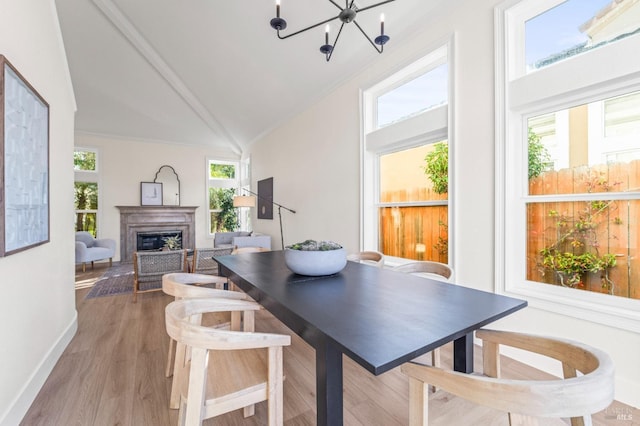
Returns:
(112, 373)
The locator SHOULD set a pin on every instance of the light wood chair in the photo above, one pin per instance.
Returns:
(428, 268)
(182, 285)
(238, 250)
(150, 266)
(227, 370)
(574, 396)
(370, 257)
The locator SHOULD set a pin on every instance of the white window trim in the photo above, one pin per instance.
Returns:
(426, 127)
(219, 183)
(560, 87)
(91, 176)
(422, 66)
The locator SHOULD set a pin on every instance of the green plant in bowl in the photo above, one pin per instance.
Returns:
(313, 245)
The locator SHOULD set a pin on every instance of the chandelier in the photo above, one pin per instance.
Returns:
(347, 15)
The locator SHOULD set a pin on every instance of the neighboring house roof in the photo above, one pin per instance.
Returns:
(611, 18)
(618, 20)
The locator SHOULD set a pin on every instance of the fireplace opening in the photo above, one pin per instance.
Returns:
(154, 240)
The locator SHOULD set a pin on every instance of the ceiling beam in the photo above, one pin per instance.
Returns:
(137, 40)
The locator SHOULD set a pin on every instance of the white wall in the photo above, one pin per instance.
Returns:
(314, 164)
(314, 159)
(37, 307)
(124, 163)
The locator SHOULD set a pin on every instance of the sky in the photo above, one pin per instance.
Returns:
(421, 93)
(549, 33)
(557, 29)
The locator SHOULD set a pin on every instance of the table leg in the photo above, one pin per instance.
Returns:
(463, 354)
(328, 385)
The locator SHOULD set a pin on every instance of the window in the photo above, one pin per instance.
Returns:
(85, 165)
(420, 94)
(568, 28)
(222, 183)
(244, 213)
(568, 151)
(413, 207)
(406, 162)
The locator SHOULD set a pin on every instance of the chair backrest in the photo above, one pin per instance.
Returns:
(426, 267)
(369, 257)
(232, 380)
(152, 263)
(182, 286)
(180, 328)
(203, 261)
(86, 238)
(574, 396)
(239, 250)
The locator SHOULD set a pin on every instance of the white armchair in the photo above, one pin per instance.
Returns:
(241, 239)
(89, 249)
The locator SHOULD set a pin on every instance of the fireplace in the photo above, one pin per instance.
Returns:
(147, 220)
(153, 241)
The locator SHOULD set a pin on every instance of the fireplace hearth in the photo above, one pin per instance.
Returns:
(148, 220)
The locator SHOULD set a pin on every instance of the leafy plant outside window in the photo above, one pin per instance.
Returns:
(437, 167)
(224, 216)
(576, 249)
(539, 157)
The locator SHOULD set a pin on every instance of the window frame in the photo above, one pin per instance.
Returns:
(430, 126)
(89, 176)
(219, 183)
(590, 76)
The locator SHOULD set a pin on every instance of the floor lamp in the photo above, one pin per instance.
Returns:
(250, 201)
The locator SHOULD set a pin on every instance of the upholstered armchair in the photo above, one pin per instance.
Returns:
(90, 249)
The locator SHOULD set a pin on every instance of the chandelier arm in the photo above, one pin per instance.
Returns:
(307, 28)
(335, 4)
(368, 38)
(335, 42)
(375, 5)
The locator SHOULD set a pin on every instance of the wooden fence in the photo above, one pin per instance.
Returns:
(597, 227)
(604, 227)
(419, 233)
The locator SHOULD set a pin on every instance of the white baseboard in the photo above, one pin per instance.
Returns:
(20, 405)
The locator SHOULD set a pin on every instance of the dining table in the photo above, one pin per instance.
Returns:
(378, 317)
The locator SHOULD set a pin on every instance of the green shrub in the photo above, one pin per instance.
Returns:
(437, 167)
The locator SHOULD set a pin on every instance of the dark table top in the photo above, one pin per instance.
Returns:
(378, 317)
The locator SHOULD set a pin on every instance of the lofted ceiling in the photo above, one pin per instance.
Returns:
(212, 72)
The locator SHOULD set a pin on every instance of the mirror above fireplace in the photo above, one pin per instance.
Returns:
(170, 185)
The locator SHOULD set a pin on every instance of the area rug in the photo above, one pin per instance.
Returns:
(117, 280)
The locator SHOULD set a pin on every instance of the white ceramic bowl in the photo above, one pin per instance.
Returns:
(315, 263)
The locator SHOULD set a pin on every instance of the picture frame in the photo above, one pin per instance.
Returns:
(151, 193)
(265, 198)
(24, 163)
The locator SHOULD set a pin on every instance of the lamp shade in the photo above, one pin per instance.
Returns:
(244, 201)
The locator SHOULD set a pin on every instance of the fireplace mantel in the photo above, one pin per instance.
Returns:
(134, 219)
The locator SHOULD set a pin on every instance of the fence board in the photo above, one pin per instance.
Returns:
(402, 229)
(609, 229)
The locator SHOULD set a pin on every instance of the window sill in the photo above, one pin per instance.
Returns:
(599, 308)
